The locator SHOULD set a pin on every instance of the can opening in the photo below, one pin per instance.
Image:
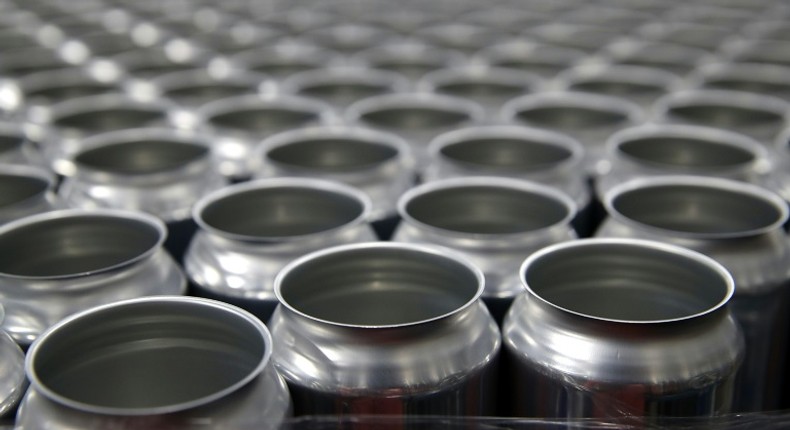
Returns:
(280, 212)
(507, 154)
(344, 91)
(474, 89)
(478, 209)
(627, 282)
(148, 356)
(208, 92)
(414, 118)
(10, 143)
(141, 157)
(57, 92)
(378, 286)
(109, 119)
(573, 117)
(15, 189)
(263, 119)
(717, 115)
(332, 155)
(686, 151)
(619, 88)
(764, 87)
(51, 246)
(700, 209)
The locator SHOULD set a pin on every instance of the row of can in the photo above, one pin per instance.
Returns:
(399, 195)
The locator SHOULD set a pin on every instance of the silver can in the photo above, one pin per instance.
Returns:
(385, 328)
(194, 88)
(416, 117)
(757, 116)
(342, 86)
(26, 190)
(238, 124)
(161, 362)
(410, 58)
(158, 171)
(494, 222)
(490, 87)
(517, 152)
(670, 57)
(740, 226)
(543, 59)
(64, 261)
(378, 163)
(589, 118)
(765, 79)
(13, 382)
(284, 58)
(667, 149)
(17, 145)
(73, 120)
(613, 328)
(248, 232)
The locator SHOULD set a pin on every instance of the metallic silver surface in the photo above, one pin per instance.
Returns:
(621, 327)
(518, 152)
(26, 190)
(670, 57)
(490, 87)
(385, 328)
(667, 149)
(416, 117)
(75, 119)
(247, 232)
(740, 226)
(341, 86)
(526, 55)
(194, 88)
(411, 58)
(154, 170)
(165, 362)
(13, 382)
(237, 124)
(588, 118)
(284, 58)
(17, 146)
(766, 79)
(64, 261)
(494, 222)
(378, 163)
(759, 116)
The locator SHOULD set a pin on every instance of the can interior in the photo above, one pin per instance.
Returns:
(479, 209)
(719, 115)
(520, 155)
(696, 209)
(474, 89)
(208, 92)
(72, 245)
(109, 119)
(263, 119)
(156, 354)
(58, 92)
(378, 287)
(751, 86)
(686, 151)
(17, 188)
(344, 91)
(141, 157)
(280, 212)
(414, 118)
(619, 88)
(573, 117)
(10, 143)
(332, 155)
(625, 282)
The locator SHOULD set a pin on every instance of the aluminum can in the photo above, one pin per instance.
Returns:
(175, 55)
(73, 120)
(158, 171)
(490, 87)
(238, 124)
(459, 36)
(155, 362)
(248, 232)
(757, 116)
(194, 88)
(348, 37)
(410, 58)
(17, 146)
(342, 86)
(671, 57)
(543, 59)
(13, 382)
(494, 222)
(667, 149)
(284, 58)
(740, 226)
(614, 328)
(588, 118)
(764, 79)
(415, 117)
(64, 261)
(402, 323)
(517, 152)
(26, 190)
(378, 163)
